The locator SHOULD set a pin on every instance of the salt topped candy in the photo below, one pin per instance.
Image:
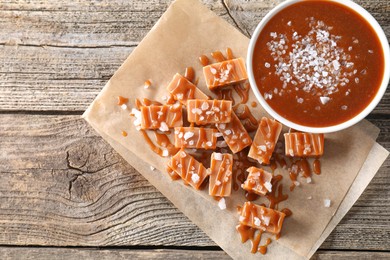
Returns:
(195, 137)
(221, 175)
(203, 112)
(161, 117)
(258, 181)
(182, 89)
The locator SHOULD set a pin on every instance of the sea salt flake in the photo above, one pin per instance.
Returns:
(327, 203)
(308, 179)
(344, 107)
(218, 134)
(221, 144)
(262, 147)
(165, 153)
(222, 204)
(124, 106)
(205, 106)
(218, 156)
(213, 71)
(266, 220)
(309, 198)
(228, 132)
(217, 183)
(268, 186)
(195, 178)
(324, 100)
(257, 221)
(267, 65)
(188, 135)
(152, 168)
(163, 127)
(209, 144)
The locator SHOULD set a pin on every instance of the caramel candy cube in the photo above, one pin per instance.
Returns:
(183, 89)
(235, 134)
(225, 73)
(265, 139)
(304, 144)
(195, 137)
(189, 169)
(161, 117)
(258, 181)
(221, 175)
(203, 112)
(263, 218)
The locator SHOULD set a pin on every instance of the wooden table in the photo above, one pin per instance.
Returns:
(64, 192)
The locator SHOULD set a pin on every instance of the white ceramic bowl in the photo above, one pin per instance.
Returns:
(385, 46)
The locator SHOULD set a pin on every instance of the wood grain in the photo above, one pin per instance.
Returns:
(62, 185)
(28, 253)
(58, 55)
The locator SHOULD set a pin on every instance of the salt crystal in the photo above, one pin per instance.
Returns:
(370, 51)
(165, 153)
(217, 183)
(182, 154)
(308, 180)
(195, 178)
(241, 218)
(327, 203)
(214, 71)
(297, 183)
(257, 221)
(180, 135)
(163, 127)
(188, 135)
(267, 65)
(309, 198)
(164, 98)
(218, 156)
(344, 107)
(268, 186)
(205, 106)
(191, 142)
(300, 100)
(228, 132)
(262, 147)
(152, 168)
(266, 220)
(324, 100)
(289, 23)
(222, 204)
(218, 134)
(124, 106)
(357, 80)
(336, 65)
(209, 144)
(221, 144)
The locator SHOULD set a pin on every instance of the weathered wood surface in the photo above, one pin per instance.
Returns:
(62, 185)
(28, 253)
(57, 55)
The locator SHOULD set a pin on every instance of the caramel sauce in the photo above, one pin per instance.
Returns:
(225, 94)
(304, 167)
(317, 166)
(163, 141)
(272, 164)
(189, 74)
(243, 91)
(229, 54)
(253, 104)
(251, 196)
(240, 164)
(276, 195)
(122, 100)
(281, 161)
(204, 60)
(171, 100)
(218, 56)
(287, 211)
(124, 133)
(152, 146)
(263, 248)
(147, 83)
(248, 120)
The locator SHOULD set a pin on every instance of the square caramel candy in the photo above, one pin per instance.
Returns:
(189, 169)
(265, 139)
(304, 144)
(183, 89)
(203, 112)
(258, 181)
(234, 134)
(221, 175)
(195, 137)
(225, 73)
(260, 217)
(161, 117)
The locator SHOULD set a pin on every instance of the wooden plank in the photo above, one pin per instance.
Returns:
(45, 253)
(62, 185)
(58, 56)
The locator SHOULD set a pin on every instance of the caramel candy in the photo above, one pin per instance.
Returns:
(174, 176)
(221, 175)
(304, 144)
(225, 73)
(195, 137)
(182, 89)
(203, 112)
(189, 169)
(235, 134)
(265, 139)
(258, 181)
(161, 117)
(260, 217)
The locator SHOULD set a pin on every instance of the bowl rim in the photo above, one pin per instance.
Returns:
(333, 128)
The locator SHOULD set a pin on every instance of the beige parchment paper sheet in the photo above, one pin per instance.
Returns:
(185, 31)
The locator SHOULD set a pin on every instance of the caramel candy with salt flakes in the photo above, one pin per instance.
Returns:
(174, 176)
(260, 217)
(225, 73)
(304, 144)
(203, 112)
(258, 181)
(161, 117)
(195, 137)
(265, 139)
(221, 175)
(182, 89)
(234, 134)
(189, 169)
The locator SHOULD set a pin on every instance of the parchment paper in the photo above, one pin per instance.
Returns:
(183, 33)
